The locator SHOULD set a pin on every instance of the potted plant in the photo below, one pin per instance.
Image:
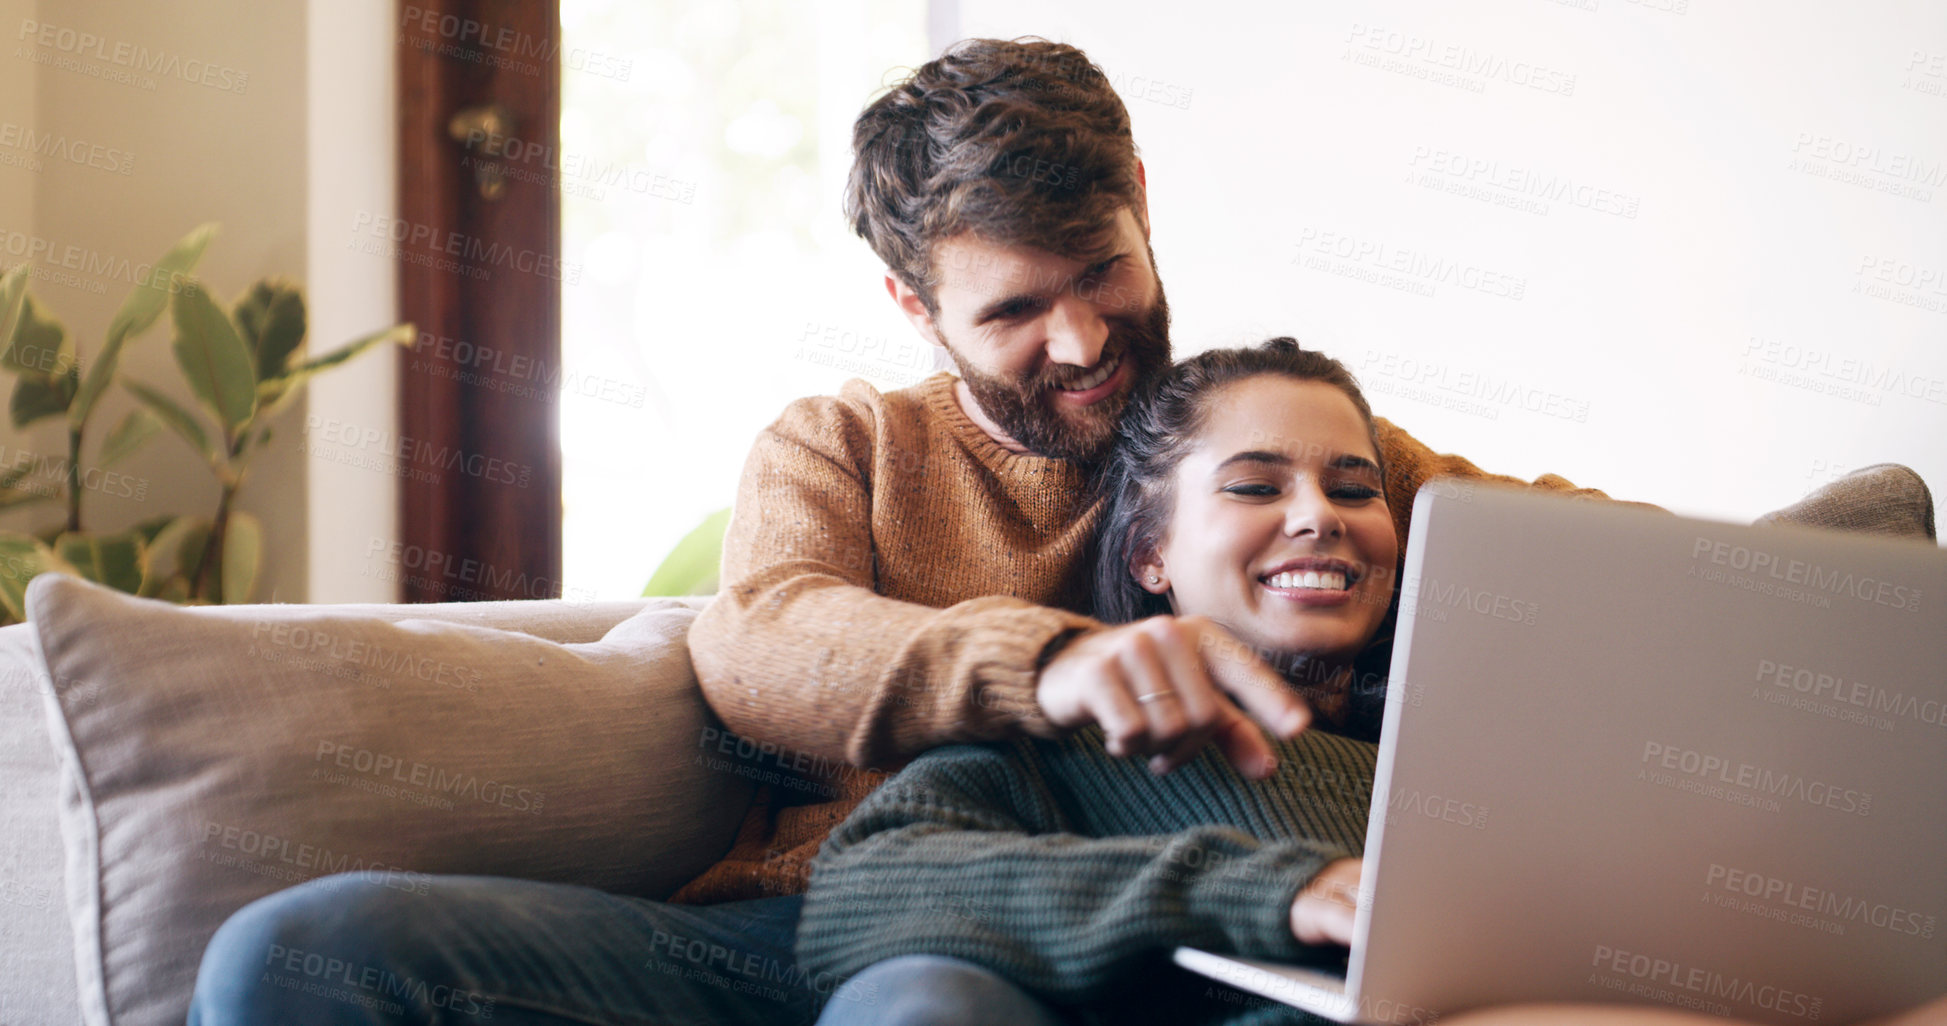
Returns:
(244, 365)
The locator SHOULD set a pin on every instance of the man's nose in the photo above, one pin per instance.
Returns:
(1076, 332)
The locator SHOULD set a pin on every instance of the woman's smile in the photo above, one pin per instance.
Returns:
(1312, 581)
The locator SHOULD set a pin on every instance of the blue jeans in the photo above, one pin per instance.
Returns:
(932, 990)
(493, 951)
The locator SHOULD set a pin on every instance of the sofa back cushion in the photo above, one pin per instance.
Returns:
(210, 760)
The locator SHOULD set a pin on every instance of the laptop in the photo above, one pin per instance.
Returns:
(1639, 758)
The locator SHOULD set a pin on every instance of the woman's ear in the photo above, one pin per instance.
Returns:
(1147, 567)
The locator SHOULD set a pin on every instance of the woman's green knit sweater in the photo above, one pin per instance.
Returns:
(1074, 873)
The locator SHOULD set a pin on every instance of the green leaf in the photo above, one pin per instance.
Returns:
(31, 477)
(138, 312)
(37, 345)
(17, 496)
(247, 445)
(189, 550)
(22, 558)
(252, 310)
(271, 319)
(114, 559)
(128, 435)
(37, 398)
(162, 556)
(212, 356)
(179, 419)
(243, 550)
(691, 568)
(13, 474)
(35, 471)
(148, 529)
(13, 292)
(37, 348)
(276, 393)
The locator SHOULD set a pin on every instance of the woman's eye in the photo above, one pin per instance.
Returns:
(1354, 491)
(1252, 490)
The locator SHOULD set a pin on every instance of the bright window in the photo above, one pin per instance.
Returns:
(702, 179)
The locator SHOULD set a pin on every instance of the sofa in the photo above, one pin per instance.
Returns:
(165, 765)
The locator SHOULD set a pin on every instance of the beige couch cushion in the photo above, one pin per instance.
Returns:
(212, 759)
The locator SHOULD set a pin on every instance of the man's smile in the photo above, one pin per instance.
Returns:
(1096, 386)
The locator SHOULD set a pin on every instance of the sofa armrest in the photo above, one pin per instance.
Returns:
(1885, 498)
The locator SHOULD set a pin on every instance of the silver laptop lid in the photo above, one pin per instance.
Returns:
(1632, 756)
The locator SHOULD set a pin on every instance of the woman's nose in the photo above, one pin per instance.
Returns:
(1310, 511)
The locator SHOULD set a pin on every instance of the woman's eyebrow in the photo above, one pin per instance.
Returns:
(1353, 461)
(1264, 456)
(1267, 457)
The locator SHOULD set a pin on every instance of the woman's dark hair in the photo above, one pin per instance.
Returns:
(1134, 483)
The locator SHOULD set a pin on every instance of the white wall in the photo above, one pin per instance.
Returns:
(1757, 145)
(276, 119)
(353, 99)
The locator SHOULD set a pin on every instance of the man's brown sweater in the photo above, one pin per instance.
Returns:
(891, 579)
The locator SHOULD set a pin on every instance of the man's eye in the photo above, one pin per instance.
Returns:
(1020, 308)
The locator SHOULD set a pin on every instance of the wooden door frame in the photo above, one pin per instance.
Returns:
(479, 454)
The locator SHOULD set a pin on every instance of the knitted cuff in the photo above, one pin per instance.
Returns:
(1006, 681)
(1250, 899)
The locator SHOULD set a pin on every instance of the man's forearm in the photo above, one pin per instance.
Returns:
(831, 669)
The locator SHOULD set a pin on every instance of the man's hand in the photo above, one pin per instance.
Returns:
(1167, 686)
(1325, 908)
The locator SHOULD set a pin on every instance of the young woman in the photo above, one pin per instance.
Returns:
(1247, 488)
(1048, 881)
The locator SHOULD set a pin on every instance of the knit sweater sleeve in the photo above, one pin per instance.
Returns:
(1411, 463)
(964, 854)
(798, 648)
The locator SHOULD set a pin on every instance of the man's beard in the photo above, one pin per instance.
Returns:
(1028, 411)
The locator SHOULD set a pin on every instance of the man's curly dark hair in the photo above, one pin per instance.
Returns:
(1021, 142)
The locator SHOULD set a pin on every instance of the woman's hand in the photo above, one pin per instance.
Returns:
(1325, 908)
(1167, 686)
